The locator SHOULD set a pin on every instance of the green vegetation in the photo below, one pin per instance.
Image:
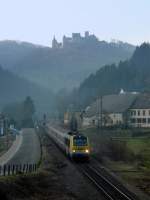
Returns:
(28, 110)
(124, 153)
(21, 113)
(121, 145)
(15, 89)
(131, 75)
(67, 67)
(141, 149)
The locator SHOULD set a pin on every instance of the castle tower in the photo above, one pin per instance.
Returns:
(54, 43)
(87, 34)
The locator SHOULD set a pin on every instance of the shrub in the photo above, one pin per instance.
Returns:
(119, 151)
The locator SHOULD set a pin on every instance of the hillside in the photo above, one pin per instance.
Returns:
(15, 89)
(131, 75)
(11, 52)
(64, 67)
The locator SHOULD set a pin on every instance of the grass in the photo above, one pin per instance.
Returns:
(135, 169)
(138, 145)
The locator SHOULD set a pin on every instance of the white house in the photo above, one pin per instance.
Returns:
(139, 114)
(112, 108)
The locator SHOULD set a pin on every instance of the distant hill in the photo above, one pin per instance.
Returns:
(62, 67)
(11, 52)
(15, 89)
(131, 75)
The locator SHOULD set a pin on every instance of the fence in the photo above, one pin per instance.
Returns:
(6, 170)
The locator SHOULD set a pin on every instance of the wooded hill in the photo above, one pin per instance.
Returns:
(131, 75)
(16, 89)
(60, 68)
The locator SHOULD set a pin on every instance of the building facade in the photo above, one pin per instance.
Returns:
(129, 109)
(139, 113)
(140, 117)
(113, 110)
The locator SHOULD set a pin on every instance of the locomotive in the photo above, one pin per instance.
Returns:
(74, 144)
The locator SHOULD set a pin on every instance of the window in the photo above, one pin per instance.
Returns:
(139, 120)
(144, 120)
(149, 120)
(149, 112)
(138, 112)
(79, 141)
(143, 112)
(133, 112)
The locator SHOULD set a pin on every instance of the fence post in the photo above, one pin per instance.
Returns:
(27, 168)
(13, 169)
(8, 169)
(35, 167)
(16, 169)
(20, 168)
(24, 167)
(4, 170)
(31, 167)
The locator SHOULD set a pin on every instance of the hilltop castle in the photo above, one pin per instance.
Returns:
(76, 39)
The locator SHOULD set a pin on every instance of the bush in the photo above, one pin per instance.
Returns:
(120, 152)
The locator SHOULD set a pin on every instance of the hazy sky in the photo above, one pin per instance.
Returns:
(38, 20)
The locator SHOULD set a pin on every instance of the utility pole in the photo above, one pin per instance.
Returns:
(6, 131)
(100, 113)
(1, 125)
(7, 136)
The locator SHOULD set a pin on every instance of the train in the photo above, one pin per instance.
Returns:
(75, 145)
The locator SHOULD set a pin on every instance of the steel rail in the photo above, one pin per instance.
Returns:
(97, 178)
(97, 184)
(111, 184)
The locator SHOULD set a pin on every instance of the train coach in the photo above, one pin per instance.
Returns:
(75, 145)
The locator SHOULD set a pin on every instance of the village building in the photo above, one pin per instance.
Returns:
(128, 109)
(68, 117)
(110, 110)
(140, 112)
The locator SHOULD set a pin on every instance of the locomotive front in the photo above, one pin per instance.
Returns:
(80, 147)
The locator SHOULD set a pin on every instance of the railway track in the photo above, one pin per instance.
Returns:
(111, 188)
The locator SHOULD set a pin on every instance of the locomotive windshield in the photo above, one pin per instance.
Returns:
(80, 141)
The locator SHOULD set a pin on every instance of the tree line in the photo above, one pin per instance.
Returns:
(131, 75)
(20, 114)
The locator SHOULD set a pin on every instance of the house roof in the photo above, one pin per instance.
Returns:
(142, 102)
(118, 103)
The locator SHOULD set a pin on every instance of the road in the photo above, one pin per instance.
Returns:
(29, 152)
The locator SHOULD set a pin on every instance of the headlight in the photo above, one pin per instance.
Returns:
(87, 151)
(74, 151)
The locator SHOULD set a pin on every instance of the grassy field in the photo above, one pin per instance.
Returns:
(125, 152)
